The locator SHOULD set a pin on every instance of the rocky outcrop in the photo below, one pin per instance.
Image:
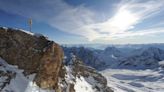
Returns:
(33, 54)
(77, 70)
(87, 72)
(42, 63)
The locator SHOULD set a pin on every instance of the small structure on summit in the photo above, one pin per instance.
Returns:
(30, 24)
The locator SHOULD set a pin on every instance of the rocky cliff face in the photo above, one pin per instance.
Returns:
(82, 78)
(41, 61)
(33, 54)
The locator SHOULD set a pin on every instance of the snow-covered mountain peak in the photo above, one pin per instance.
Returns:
(153, 51)
(112, 50)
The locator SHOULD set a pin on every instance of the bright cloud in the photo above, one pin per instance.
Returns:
(152, 31)
(122, 21)
(128, 15)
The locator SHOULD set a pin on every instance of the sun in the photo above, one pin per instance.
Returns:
(124, 19)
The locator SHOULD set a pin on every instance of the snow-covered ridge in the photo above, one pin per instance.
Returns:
(114, 57)
(149, 58)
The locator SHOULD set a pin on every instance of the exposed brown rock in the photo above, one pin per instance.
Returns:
(33, 54)
(82, 70)
(71, 88)
(50, 68)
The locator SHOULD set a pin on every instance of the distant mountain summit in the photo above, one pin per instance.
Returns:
(154, 52)
(149, 58)
(98, 59)
(88, 56)
(112, 50)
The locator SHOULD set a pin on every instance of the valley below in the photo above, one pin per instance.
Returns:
(127, 80)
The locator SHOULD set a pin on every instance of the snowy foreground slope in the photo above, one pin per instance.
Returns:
(13, 80)
(126, 80)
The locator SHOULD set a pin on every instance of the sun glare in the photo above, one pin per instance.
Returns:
(123, 19)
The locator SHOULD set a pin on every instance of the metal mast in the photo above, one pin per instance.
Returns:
(30, 24)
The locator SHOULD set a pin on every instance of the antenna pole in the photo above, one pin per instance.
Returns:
(30, 24)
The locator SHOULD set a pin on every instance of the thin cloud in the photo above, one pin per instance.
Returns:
(56, 13)
(128, 15)
(83, 21)
(152, 31)
(74, 21)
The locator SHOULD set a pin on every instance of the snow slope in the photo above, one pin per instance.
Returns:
(17, 81)
(82, 85)
(125, 80)
(89, 82)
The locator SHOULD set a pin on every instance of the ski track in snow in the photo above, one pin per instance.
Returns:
(126, 80)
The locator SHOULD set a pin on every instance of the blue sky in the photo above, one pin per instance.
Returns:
(88, 21)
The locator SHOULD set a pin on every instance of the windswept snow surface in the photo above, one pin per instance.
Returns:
(125, 80)
(161, 63)
(19, 83)
(82, 85)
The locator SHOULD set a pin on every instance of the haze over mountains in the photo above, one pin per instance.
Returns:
(120, 55)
